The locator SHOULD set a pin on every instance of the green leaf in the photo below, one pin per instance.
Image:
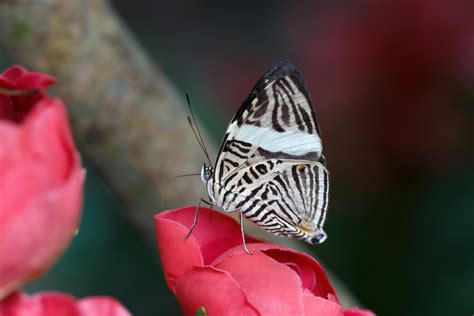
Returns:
(201, 312)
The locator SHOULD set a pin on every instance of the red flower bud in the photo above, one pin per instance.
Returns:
(41, 180)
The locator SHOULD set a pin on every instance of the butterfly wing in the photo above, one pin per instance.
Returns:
(284, 196)
(277, 119)
(276, 122)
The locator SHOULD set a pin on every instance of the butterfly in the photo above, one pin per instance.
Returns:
(270, 165)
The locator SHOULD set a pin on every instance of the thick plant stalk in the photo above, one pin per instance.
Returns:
(127, 117)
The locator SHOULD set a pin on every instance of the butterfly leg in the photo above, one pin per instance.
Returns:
(196, 217)
(208, 203)
(243, 233)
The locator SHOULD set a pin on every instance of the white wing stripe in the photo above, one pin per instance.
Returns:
(292, 141)
(320, 198)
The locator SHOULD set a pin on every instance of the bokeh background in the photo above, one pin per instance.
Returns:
(393, 87)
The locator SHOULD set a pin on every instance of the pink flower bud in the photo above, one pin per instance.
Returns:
(41, 179)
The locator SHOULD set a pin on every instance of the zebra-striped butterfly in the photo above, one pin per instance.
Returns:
(270, 165)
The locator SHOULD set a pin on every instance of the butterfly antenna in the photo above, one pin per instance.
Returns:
(172, 179)
(196, 132)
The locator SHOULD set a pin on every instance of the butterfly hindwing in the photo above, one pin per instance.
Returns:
(283, 196)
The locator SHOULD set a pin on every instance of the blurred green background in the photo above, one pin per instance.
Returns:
(392, 84)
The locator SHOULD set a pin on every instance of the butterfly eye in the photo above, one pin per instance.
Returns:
(318, 239)
(205, 173)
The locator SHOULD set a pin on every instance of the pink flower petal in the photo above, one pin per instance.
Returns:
(43, 304)
(271, 287)
(39, 154)
(214, 289)
(49, 138)
(13, 73)
(177, 256)
(34, 236)
(41, 181)
(18, 78)
(59, 304)
(314, 305)
(5, 83)
(309, 270)
(311, 273)
(34, 80)
(102, 306)
(215, 232)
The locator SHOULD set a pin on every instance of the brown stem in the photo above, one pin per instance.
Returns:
(127, 117)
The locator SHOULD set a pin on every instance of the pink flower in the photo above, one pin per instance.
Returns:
(60, 304)
(212, 270)
(41, 180)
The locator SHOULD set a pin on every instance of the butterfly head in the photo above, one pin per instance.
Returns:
(319, 237)
(206, 173)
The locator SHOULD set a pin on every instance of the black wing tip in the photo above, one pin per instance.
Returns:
(284, 63)
(280, 69)
(284, 66)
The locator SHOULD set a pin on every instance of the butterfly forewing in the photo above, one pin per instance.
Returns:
(270, 165)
